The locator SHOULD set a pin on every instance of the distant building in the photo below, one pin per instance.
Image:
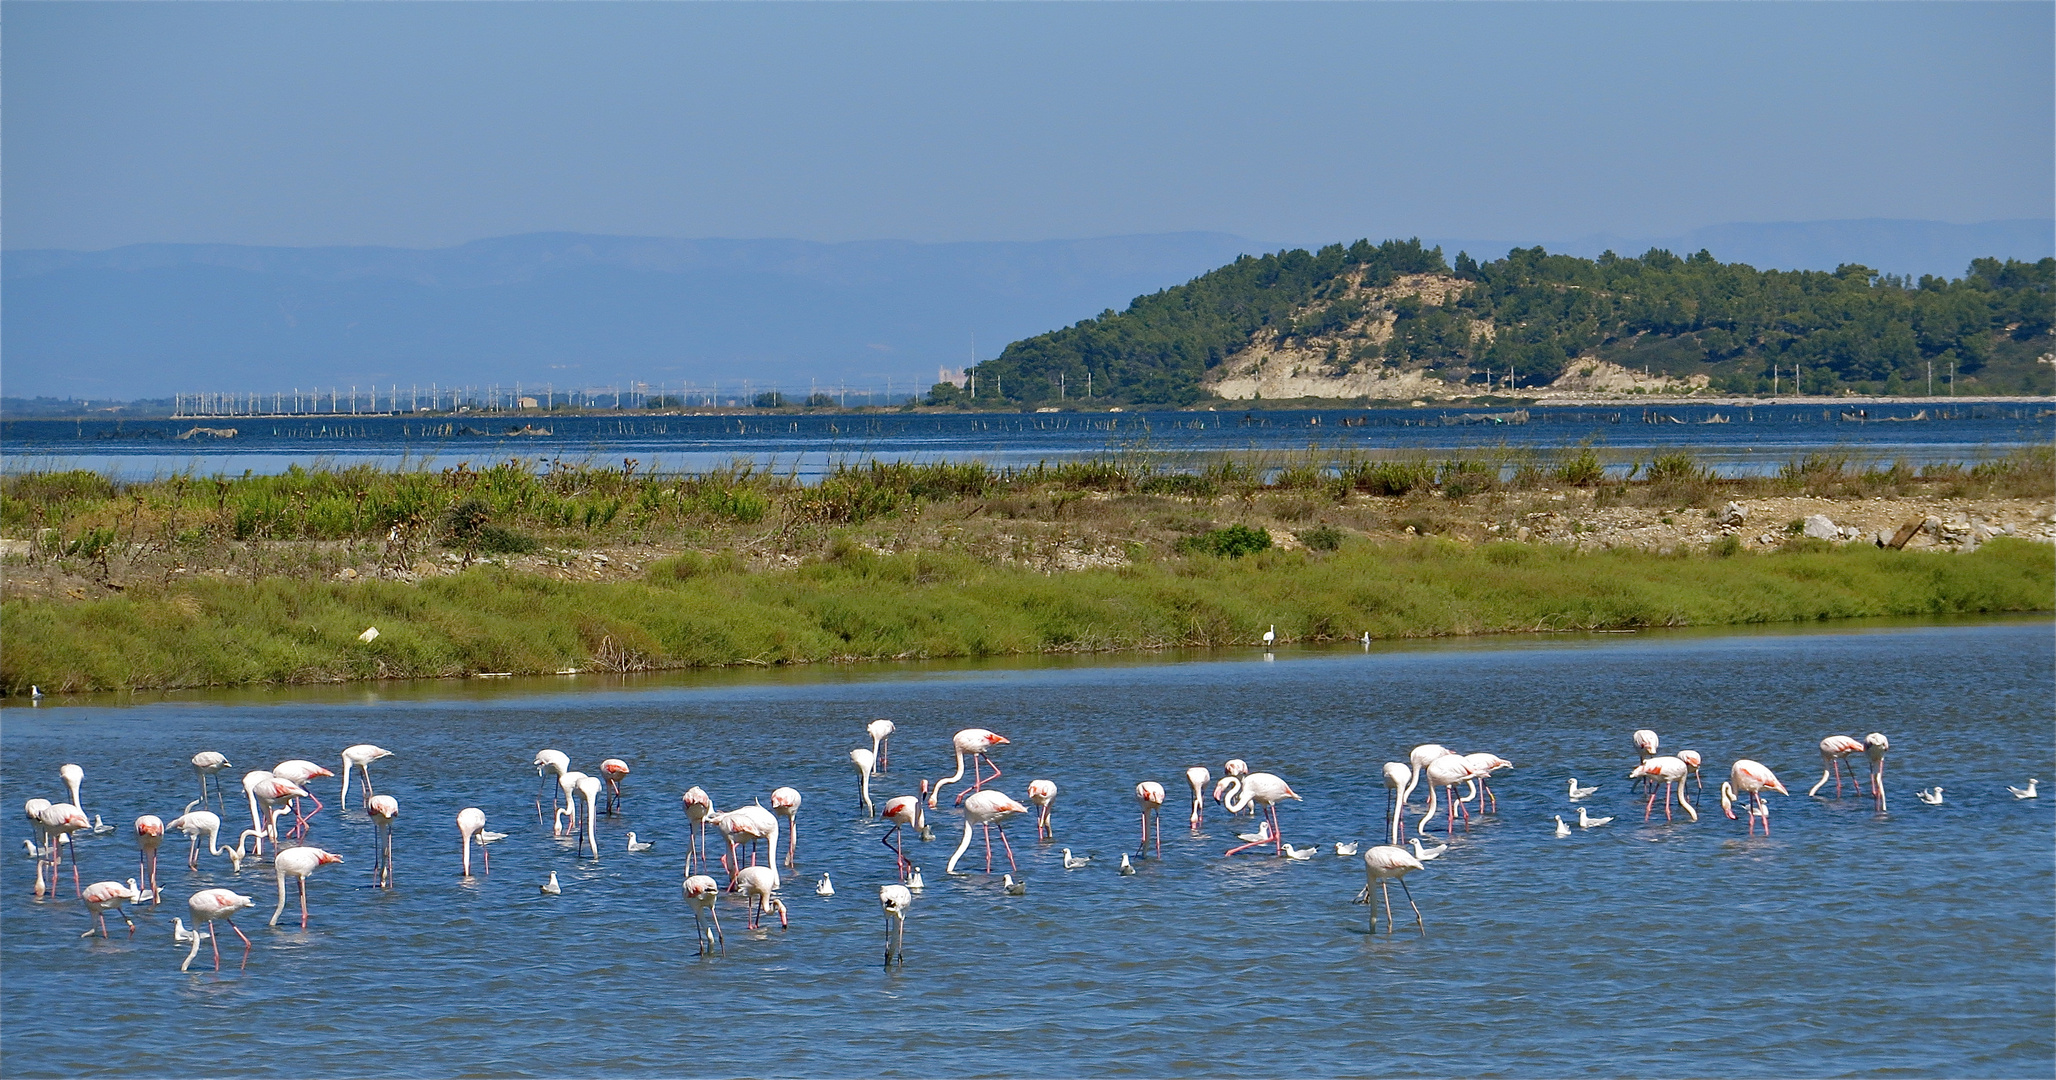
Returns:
(953, 376)
(528, 403)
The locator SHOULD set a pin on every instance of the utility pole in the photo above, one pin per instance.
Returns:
(1931, 377)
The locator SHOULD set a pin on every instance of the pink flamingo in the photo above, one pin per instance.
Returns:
(989, 810)
(903, 812)
(564, 821)
(1383, 865)
(702, 892)
(1443, 774)
(759, 888)
(300, 772)
(895, 900)
(1671, 772)
(298, 863)
(59, 822)
(1482, 767)
(1398, 777)
(74, 778)
(1418, 759)
(751, 823)
(978, 743)
(881, 731)
(1874, 746)
(1041, 794)
(1692, 761)
(1645, 747)
(358, 757)
(614, 770)
(1197, 777)
(149, 836)
(102, 897)
(383, 809)
(208, 906)
(866, 762)
(785, 802)
(470, 821)
(1266, 790)
(1750, 778)
(698, 807)
(1151, 795)
(555, 763)
(206, 763)
(1832, 750)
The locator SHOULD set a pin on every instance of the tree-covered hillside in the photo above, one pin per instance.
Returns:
(1532, 314)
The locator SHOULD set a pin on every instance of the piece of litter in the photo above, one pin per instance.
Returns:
(369, 633)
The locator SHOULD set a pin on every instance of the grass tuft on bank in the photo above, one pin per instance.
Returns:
(854, 604)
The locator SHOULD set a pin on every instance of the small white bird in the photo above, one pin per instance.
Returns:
(1581, 792)
(1932, 796)
(1014, 888)
(179, 934)
(1073, 862)
(1345, 849)
(1126, 866)
(101, 828)
(32, 851)
(826, 888)
(2024, 793)
(1561, 828)
(1262, 835)
(638, 845)
(485, 837)
(1270, 636)
(914, 881)
(1300, 853)
(1367, 639)
(1426, 853)
(550, 887)
(1587, 821)
(35, 692)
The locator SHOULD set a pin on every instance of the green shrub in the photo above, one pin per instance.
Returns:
(505, 541)
(1674, 468)
(1322, 538)
(1233, 542)
(1580, 469)
(1725, 547)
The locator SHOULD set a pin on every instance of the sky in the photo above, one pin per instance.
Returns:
(426, 125)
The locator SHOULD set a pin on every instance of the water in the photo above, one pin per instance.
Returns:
(1752, 440)
(1918, 942)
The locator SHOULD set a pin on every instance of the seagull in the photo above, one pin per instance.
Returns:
(1126, 866)
(914, 882)
(1367, 639)
(35, 692)
(1581, 792)
(1301, 853)
(638, 845)
(33, 852)
(1014, 888)
(1426, 853)
(1345, 849)
(1073, 862)
(550, 887)
(1932, 796)
(1262, 835)
(485, 837)
(2024, 793)
(101, 828)
(1561, 828)
(826, 888)
(180, 935)
(1270, 635)
(1587, 821)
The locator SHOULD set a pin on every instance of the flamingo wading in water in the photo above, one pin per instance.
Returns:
(1750, 778)
(297, 863)
(613, 770)
(1832, 750)
(1042, 795)
(1874, 746)
(209, 906)
(383, 809)
(359, 757)
(1383, 865)
(978, 743)
(1266, 790)
(1197, 778)
(1151, 795)
(989, 810)
(470, 821)
(785, 802)
(206, 763)
(881, 731)
(102, 897)
(895, 900)
(149, 836)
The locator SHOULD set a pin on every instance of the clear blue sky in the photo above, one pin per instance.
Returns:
(426, 125)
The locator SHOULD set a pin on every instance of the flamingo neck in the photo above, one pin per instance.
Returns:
(1727, 799)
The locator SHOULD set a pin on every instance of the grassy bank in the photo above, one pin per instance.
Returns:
(851, 603)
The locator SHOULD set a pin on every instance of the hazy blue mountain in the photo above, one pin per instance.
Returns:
(576, 310)
(581, 310)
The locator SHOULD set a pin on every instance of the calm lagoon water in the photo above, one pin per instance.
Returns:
(1913, 943)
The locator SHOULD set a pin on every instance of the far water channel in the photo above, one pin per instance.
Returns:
(1850, 942)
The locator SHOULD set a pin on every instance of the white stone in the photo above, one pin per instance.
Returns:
(1820, 528)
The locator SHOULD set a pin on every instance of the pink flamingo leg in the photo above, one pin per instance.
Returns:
(1009, 847)
(1649, 807)
(987, 829)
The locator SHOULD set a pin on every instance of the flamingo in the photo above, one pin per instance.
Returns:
(1151, 795)
(1196, 776)
(1383, 865)
(702, 892)
(1398, 774)
(206, 763)
(978, 743)
(1671, 772)
(102, 897)
(1444, 773)
(74, 777)
(250, 781)
(614, 770)
(1042, 793)
(469, 821)
(990, 810)
(300, 772)
(358, 757)
(383, 809)
(1750, 778)
(752, 823)
(1832, 750)
(59, 822)
(193, 823)
(298, 863)
(279, 794)
(2027, 792)
(1874, 746)
(903, 812)
(698, 807)
(785, 802)
(759, 888)
(1645, 746)
(1482, 767)
(149, 836)
(1266, 790)
(564, 821)
(1418, 759)
(208, 906)
(881, 731)
(549, 761)
(589, 790)
(1692, 761)
(895, 900)
(866, 762)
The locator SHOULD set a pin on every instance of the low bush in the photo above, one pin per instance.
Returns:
(1233, 542)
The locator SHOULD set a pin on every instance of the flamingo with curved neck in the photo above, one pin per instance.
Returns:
(978, 743)
(359, 757)
(989, 810)
(866, 762)
(1196, 777)
(1266, 790)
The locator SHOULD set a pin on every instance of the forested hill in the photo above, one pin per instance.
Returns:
(1369, 311)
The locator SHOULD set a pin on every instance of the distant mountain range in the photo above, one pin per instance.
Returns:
(579, 310)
